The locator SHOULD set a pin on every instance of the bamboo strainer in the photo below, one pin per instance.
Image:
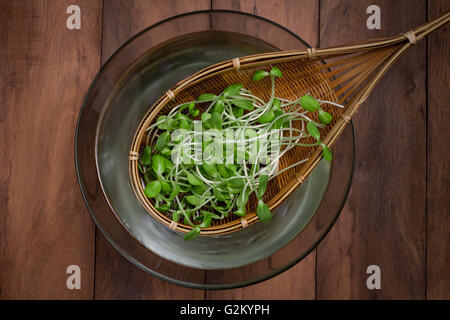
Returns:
(347, 77)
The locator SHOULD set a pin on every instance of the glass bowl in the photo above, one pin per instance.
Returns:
(135, 76)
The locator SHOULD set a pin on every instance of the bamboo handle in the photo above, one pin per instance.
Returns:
(429, 27)
(412, 36)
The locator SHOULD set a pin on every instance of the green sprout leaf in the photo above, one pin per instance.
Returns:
(180, 116)
(326, 153)
(160, 121)
(158, 164)
(191, 235)
(258, 75)
(215, 216)
(146, 156)
(163, 208)
(266, 117)
(166, 151)
(238, 112)
(193, 180)
(251, 133)
(202, 190)
(309, 103)
(162, 141)
(279, 123)
(231, 167)
(219, 106)
(205, 117)
(165, 123)
(152, 189)
(185, 124)
(215, 122)
(262, 185)
(176, 216)
(223, 170)
(206, 97)
(276, 72)
(263, 212)
(195, 200)
(232, 90)
(313, 131)
(194, 112)
(219, 195)
(168, 165)
(235, 185)
(325, 117)
(242, 199)
(241, 103)
(206, 221)
(276, 105)
(211, 170)
(166, 187)
(175, 191)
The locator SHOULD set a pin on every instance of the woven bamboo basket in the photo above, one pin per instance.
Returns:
(345, 75)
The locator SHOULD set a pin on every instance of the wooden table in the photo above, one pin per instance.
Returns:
(397, 214)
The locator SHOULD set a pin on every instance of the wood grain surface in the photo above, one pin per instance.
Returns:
(45, 71)
(384, 221)
(397, 214)
(438, 166)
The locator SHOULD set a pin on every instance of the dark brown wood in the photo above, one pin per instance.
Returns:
(383, 222)
(118, 278)
(301, 18)
(123, 19)
(45, 71)
(115, 277)
(296, 283)
(438, 167)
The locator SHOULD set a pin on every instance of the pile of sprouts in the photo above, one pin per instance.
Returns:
(199, 166)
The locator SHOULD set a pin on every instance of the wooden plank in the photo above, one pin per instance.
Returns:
(117, 278)
(299, 281)
(45, 71)
(295, 283)
(438, 167)
(300, 17)
(383, 222)
(123, 19)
